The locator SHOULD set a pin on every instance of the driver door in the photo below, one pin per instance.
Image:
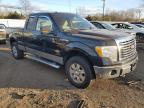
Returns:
(49, 39)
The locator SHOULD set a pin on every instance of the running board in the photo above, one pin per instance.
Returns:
(52, 64)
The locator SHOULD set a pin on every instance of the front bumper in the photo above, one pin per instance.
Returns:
(115, 71)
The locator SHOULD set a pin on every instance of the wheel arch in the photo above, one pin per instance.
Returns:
(12, 39)
(83, 51)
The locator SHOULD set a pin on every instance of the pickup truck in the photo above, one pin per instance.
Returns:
(70, 41)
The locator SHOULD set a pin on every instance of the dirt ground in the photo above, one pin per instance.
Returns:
(29, 84)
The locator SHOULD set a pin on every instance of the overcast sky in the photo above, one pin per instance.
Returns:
(64, 5)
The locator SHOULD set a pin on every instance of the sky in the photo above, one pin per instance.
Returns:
(72, 5)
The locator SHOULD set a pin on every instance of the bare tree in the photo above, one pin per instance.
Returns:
(81, 11)
(0, 7)
(26, 6)
(138, 13)
(103, 8)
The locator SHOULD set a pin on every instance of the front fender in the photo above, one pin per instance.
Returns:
(82, 47)
(86, 50)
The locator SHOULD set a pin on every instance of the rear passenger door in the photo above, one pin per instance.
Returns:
(32, 37)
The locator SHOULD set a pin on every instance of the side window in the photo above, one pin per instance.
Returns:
(44, 23)
(127, 26)
(31, 25)
(66, 26)
(99, 26)
(116, 25)
(120, 26)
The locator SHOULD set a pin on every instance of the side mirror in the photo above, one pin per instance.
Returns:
(44, 29)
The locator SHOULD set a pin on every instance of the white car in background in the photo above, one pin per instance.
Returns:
(108, 26)
(2, 33)
(131, 27)
(140, 26)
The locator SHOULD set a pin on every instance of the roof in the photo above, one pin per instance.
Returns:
(49, 13)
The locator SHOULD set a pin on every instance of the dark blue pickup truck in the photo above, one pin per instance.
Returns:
(67, 40)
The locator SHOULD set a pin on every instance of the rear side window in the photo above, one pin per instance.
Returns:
(31, 25)
(117, 25)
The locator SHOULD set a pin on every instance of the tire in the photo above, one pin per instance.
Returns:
(79, 77)
(17, 54)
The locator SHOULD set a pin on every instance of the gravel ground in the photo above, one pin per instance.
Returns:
(29, 84)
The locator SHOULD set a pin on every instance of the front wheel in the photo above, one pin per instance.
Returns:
(79, 72)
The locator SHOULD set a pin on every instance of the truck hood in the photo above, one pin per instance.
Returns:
(100, 34)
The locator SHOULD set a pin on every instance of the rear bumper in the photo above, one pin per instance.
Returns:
(115, 71)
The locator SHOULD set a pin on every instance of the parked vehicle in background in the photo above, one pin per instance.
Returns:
(66, 39)
(103, 25)
(131, 27)
(10, 25)
(2, 33)
(142, 23)
(140, 26)
(13, 23)
(108, 26)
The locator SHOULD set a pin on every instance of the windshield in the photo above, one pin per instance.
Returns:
(67, 22)
(108, 26)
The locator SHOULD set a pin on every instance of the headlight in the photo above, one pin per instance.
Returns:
(108, 52)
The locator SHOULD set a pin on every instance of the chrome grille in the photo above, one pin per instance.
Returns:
(127, 49)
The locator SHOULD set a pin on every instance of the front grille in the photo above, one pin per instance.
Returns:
(127, 49)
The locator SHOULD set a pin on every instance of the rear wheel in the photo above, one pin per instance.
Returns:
(17, 53)
(79, 72)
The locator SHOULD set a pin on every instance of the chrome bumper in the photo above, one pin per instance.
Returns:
(115, 71)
